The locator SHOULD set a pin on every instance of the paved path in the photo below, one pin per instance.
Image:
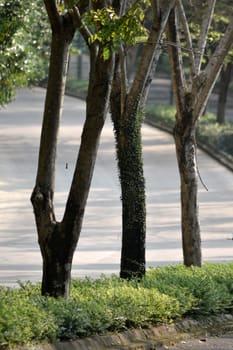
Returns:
(99, 246)
(224, 342)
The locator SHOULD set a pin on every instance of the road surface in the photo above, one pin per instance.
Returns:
(224, 342)
(99, 246)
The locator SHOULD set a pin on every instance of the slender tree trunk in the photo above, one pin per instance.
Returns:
(184, 136)
(56, 258)
(225, 79)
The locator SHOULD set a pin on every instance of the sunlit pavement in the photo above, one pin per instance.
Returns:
(98, 250)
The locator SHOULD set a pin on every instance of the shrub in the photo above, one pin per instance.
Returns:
(217, 136)
(198, 290)
(109, 303)
(23, 319)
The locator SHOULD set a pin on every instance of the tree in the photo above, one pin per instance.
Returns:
(218, 27)
(191, 94)
(127, 116)
(58, 240)
(20, 38)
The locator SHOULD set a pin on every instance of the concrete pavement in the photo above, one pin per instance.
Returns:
(99, 246)
(224, 342)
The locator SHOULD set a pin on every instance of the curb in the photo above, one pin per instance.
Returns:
(149, 338)
(223, 158)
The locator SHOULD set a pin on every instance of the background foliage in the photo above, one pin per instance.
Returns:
(24, 45)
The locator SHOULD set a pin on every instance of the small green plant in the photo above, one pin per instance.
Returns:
(209, 132)
(110, 303)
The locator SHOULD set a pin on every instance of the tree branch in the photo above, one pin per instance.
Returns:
(208, 77)
(78, 23)
(185, 25)
(54, 17)
(152, 47)
(204, 33)
(178, 79)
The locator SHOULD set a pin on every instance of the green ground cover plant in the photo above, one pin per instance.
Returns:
(77, 87)
(217, 136)
(110, 304)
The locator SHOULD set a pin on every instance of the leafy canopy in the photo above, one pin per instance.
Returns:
(113, 30)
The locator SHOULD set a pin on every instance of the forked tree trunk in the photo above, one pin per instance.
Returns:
(58, 240)
(56, 255)
(191, 97)
(184, 136)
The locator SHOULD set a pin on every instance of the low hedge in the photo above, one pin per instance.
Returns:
(109, 304)
(219, 137)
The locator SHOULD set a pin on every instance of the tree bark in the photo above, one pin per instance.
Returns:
(55, 261)
(184, 136)
(225, 79)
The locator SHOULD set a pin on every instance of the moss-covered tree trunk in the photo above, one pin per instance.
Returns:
(126, 112)
(127, 127)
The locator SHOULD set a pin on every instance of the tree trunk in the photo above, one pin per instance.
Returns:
(56, 260)
(225, 79)
(184, 136)
(126, 111)
(127, 128)
(133, 198)
(57, 255)
(58, 240)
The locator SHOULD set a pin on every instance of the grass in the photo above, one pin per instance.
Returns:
(218, 136)
(110, 304)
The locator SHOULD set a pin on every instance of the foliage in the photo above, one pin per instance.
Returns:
(109, 303)
(112, 30)
(200, 291)
(23, 45)
(218, 136)
(23, 318)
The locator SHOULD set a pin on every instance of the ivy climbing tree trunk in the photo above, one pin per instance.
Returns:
(127, 127)
(58, 240)
(191, 96)
(127, 116)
